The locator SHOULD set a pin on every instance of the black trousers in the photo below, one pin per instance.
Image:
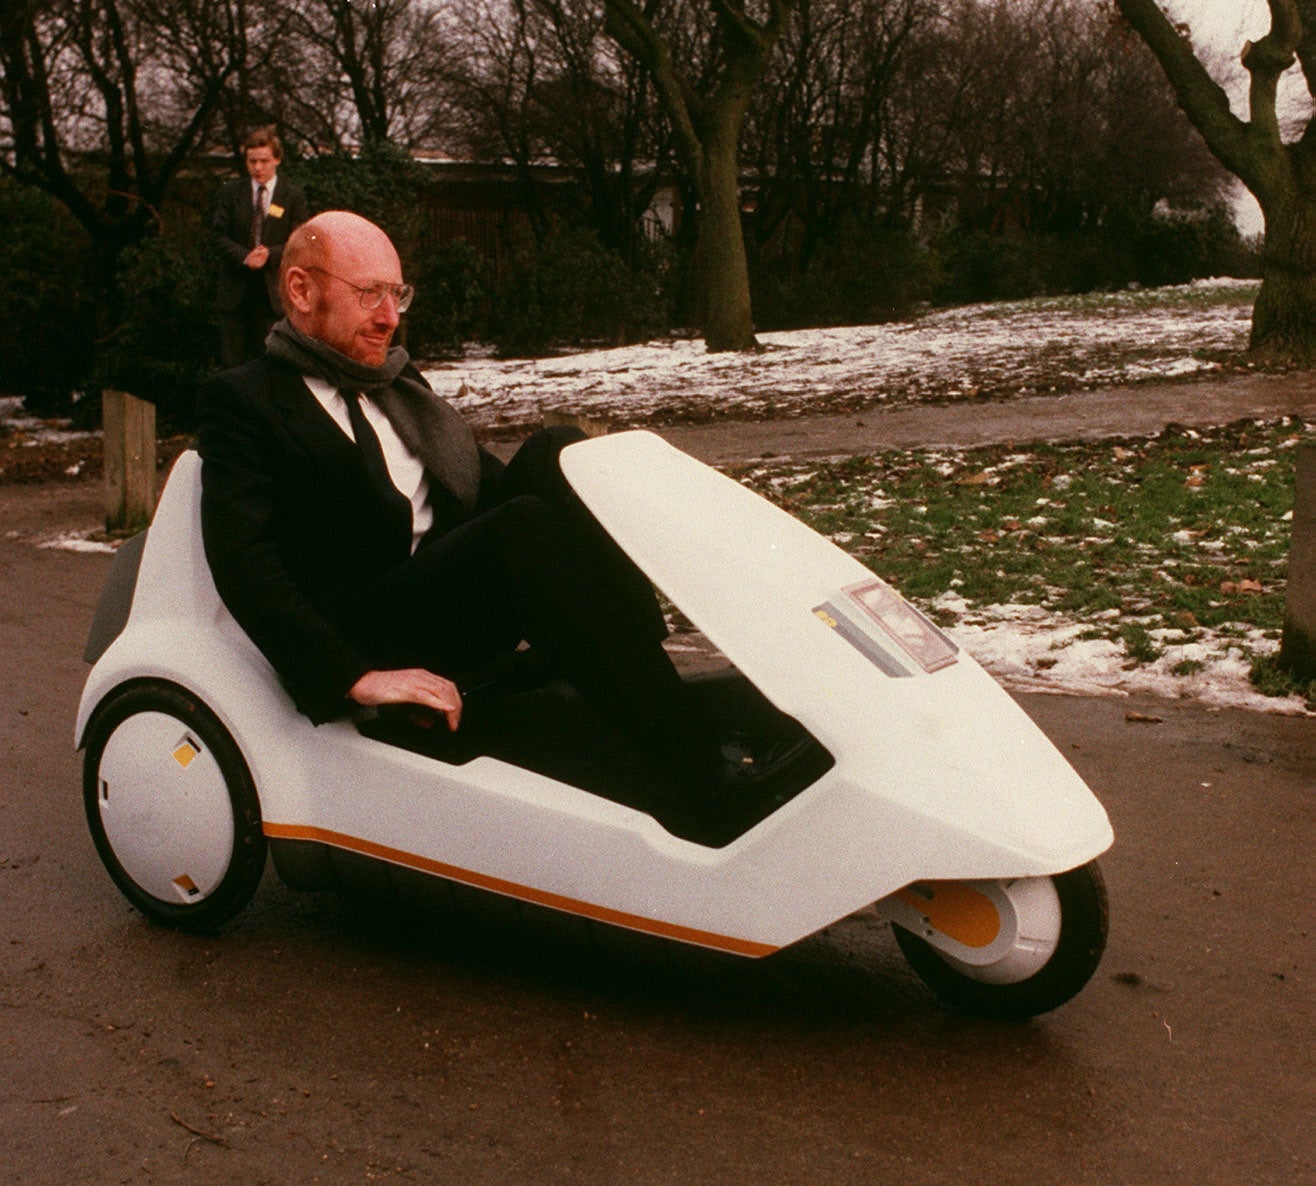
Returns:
(534, 565)
(242, 331)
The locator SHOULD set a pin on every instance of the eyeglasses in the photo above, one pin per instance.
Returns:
(373, 296)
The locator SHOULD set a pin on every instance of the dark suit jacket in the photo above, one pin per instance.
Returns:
(232, 232)
(294, 529)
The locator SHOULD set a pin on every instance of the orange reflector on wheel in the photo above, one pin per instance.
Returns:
(956, 910)
(184, 754)
(187, 885)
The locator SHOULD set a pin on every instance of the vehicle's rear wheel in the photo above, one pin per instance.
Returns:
(1005, 949)
(172, 807)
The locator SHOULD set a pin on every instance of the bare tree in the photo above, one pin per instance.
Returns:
(818, 126)
(256, 41)
(338, 75)
(707, 114)
(597, 111)
(1280, 172)
(102, 101)
(1029, 118)
(496, 83)
(1062, 124)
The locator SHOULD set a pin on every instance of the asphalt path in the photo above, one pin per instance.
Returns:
(321, 1038)
(1138, 410)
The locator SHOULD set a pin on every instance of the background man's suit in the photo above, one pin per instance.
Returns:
(246, 299)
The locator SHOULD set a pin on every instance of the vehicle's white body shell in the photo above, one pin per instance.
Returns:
(937, 775)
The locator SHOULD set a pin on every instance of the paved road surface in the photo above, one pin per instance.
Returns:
(319, 1039)
(1083, 415)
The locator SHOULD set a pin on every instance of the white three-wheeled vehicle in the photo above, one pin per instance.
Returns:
(941, 803)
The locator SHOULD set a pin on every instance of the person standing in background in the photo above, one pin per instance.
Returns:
(252, 221)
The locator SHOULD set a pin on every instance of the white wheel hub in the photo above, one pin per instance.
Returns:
(995, 932)
(165, 808)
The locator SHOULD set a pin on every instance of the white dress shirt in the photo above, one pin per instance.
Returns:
(404, 467)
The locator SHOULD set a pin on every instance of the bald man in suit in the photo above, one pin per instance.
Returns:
(379, 557)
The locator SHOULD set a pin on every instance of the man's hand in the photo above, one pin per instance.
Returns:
(410, 685)
(256, 257)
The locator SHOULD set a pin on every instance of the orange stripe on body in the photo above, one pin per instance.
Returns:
(634, 922)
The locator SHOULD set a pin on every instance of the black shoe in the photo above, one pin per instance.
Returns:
(748, 763)
(754, 781)
(759, 778)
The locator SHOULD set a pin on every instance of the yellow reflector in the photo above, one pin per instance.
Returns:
(956, 910)
(184, 754)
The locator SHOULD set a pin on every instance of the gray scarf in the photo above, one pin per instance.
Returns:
(428, 425)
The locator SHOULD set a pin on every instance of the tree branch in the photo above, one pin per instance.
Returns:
(634, 32)
(1203, 100)
(1307, 44)
(1265, 61)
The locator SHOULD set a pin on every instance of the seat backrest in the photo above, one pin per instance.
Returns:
(174, 578)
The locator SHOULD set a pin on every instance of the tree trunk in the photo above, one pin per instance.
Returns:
(720, 252)
(1280, 174)
(109, 241)
(1284, 318)
(706, 125)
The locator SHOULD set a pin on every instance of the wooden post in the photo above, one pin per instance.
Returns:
(1297, 650)
(129, 435)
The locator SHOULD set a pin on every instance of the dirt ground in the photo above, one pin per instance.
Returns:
(325, 1039)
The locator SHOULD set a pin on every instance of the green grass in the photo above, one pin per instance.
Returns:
(1147, 541)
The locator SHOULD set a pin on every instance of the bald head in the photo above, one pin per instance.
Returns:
(320, 240)
(326, 263)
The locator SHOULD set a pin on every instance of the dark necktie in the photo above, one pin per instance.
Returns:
(258, 216)
(372, 453)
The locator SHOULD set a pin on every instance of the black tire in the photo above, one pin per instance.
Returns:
(206, 908)
(1084, 921)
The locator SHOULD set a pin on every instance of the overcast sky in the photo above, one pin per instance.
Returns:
(1223, 23)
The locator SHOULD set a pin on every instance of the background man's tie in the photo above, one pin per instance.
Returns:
(258, 217)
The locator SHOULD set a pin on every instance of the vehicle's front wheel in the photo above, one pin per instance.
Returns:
(171, 806)
(1004, 949)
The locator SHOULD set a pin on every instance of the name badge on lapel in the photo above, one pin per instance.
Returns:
(274, 211)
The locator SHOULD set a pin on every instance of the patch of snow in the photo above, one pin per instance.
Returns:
(1026, 648)
(77, 542)
(965, 351)
(32, 430)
